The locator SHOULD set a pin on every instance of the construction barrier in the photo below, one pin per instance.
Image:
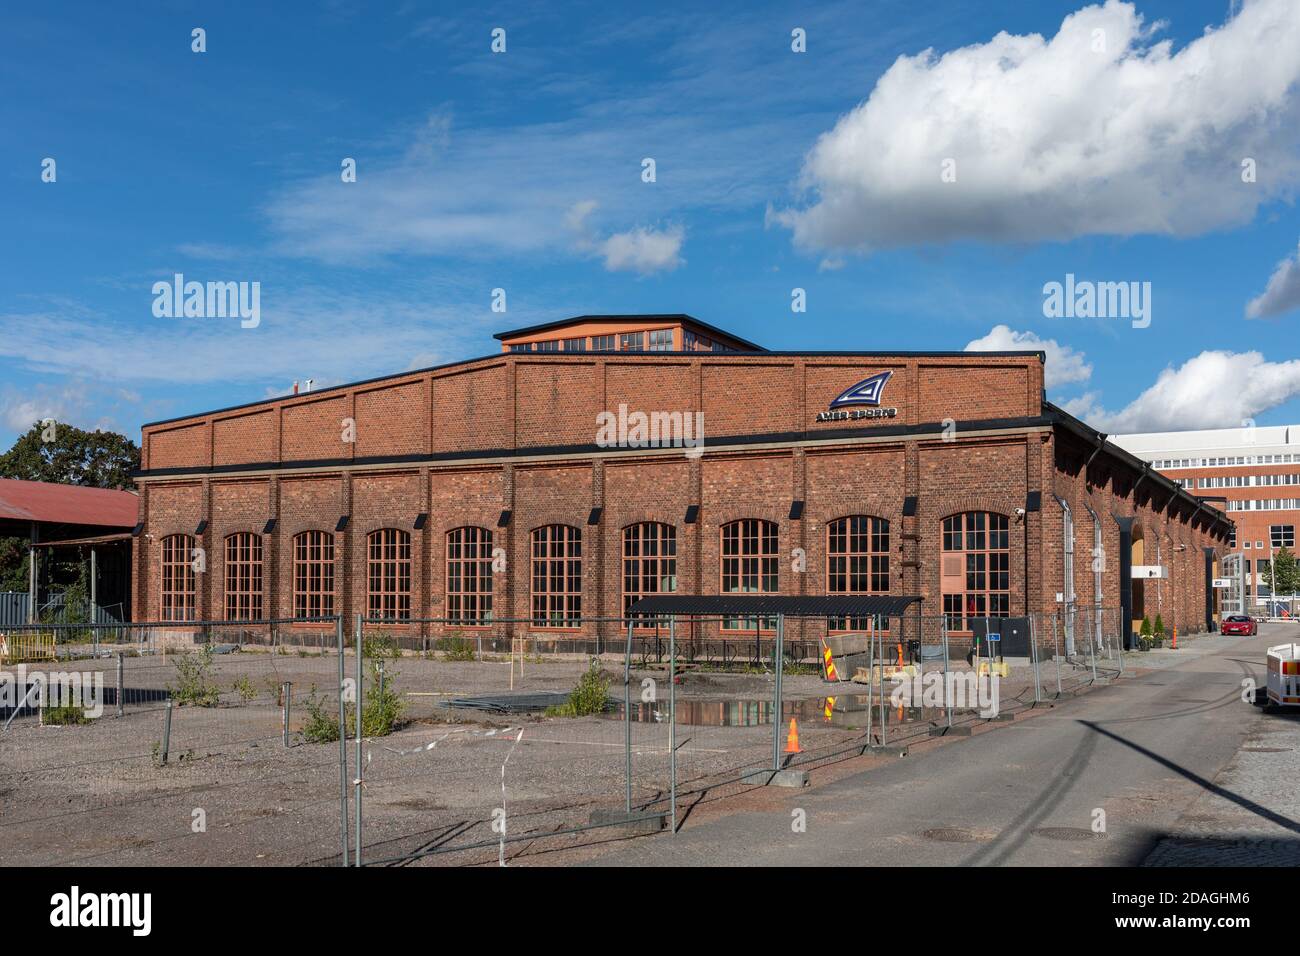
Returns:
(26, 646)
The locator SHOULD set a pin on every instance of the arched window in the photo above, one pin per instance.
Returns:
(556, 576)
(750, 564)
(469, 576)
(244, 577)
(313, 574)
(177, 599)
(857, 562)
(649, 563)
(975, 568)
(388, 574)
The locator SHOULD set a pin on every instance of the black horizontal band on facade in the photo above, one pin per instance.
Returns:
(589, 449)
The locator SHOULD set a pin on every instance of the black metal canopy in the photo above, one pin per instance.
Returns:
(766, 605)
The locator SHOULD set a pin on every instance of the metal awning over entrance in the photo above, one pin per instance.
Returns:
(772, 605)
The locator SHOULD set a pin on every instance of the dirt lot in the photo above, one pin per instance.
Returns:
(99, 793)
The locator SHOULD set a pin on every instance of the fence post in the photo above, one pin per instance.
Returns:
(1092, 656)
(946, 695)
(120, 690)
(672, 720)
(357, 783)
(1056, 655)
(286, 691)
(884, 726)
(343, 749)
(627, 718)
(776, 688)
(1033, 652)
(871, 660)
(167, 732)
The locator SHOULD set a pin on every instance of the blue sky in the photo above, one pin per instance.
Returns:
(522, 170)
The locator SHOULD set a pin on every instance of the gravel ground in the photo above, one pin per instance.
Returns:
(98, 794)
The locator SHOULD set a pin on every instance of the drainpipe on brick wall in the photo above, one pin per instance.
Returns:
(1126, 577)
(1209, 588)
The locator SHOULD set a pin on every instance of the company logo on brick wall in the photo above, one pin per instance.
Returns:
(866, 392)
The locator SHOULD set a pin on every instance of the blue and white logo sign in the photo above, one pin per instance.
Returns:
(866, 392)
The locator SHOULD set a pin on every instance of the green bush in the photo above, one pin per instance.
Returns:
(456, 648)
(381, 712)
(1145, 630)
(1159, 626)
(322, 721)
(67, 715)
(590, 696)
(194, 679)
(380, 647)
(244, 687)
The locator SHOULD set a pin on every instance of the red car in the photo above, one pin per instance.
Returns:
(1239, 624)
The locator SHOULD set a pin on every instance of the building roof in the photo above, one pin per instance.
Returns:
(49, 503)
(1105, 442)
(673, 318)
(1263, 438)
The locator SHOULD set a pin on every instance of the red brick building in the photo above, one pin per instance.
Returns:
(525, 485)
(1254, 471)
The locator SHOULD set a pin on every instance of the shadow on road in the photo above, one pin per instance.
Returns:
(1209, 785)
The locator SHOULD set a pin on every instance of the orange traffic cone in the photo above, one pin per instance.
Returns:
(792, 739)
(828, 665)
(900, 654)
(1175, 637)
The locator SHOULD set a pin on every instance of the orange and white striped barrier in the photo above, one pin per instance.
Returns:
(828, 664)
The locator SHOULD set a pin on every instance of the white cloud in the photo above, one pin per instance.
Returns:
(20, 413)
(1052, 139)
(435, 189)
(85, 404)
(1064, 365)
(305, 332)
(640, 250)
(1211, 390)
(644, 250)
(1282, 294)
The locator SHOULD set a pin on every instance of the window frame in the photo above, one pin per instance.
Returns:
(243, 576)
(168, 606)
(313, 573)
(649, 568)
(459, 566)
(392, 565)
(876, 556)
(975, 542)
(765, 564)
(550, 568)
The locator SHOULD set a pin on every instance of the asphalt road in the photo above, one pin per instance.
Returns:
(1024, 793)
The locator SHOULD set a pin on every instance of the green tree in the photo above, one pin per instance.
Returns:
(97, 459)
(1285, 571)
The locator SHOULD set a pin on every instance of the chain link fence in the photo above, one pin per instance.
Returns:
(220, 742)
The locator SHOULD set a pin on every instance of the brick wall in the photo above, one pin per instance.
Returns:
(434, 443)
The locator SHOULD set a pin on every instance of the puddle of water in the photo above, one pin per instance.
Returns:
(843, 710)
